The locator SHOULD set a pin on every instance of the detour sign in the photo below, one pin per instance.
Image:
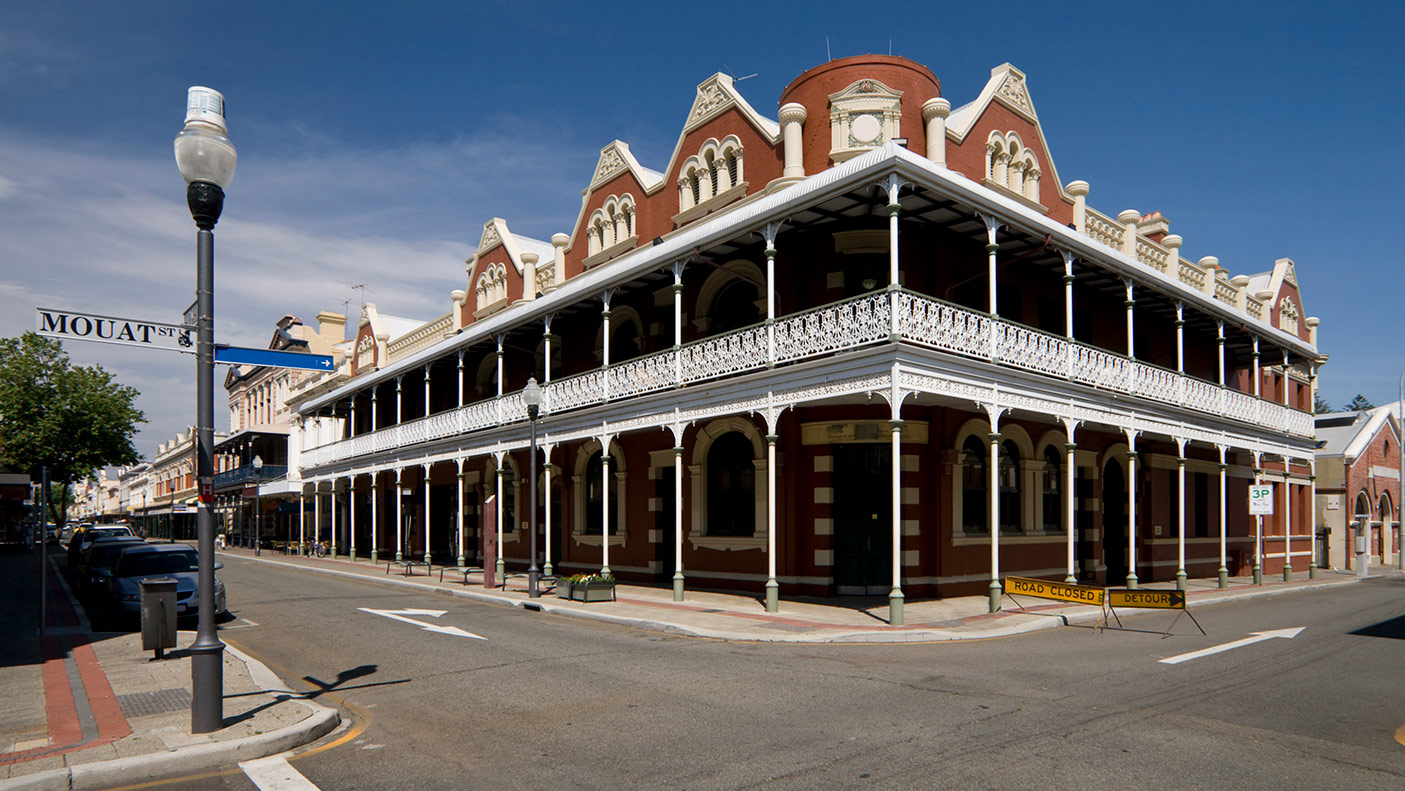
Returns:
(1061, 591)
(1152, 599)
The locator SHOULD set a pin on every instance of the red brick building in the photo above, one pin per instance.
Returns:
(873, 345)
(1358, 481)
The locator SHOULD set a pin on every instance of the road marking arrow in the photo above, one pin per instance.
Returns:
(1258, 637)
(399, 615)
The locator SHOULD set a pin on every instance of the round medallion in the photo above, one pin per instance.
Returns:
(866, 128)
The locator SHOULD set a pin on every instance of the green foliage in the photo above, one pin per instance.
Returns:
(72, 420)
(1359, 403)
(1320, 405)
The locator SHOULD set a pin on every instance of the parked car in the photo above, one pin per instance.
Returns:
(140, 561)
(85, 537)
(95, 567)
(70, 529)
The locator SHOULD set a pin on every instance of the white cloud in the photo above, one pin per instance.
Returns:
(84, 229)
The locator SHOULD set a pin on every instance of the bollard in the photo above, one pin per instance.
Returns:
(158, 615)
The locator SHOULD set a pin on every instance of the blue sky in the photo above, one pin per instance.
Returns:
(376, 138)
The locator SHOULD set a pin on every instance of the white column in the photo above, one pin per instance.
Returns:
(1312, 519)
(375, 411)
(529, 276)
(605, 505)
(501, 566)
(1180, 516)
(678, 323)
(351, 418)
(302, 524)
(894, 184)
(1258, 520)
(351, 518)
(895, 596)
(546, 349)
(426, 512)
(993, 439)
(1258, 375)
(546, 475)
(399, 517)
(399, 412)
(333, 513)
(792, 116)
(426, 391)
(1224, 468)
(1070, 496)
(772, 584)
(460, 369)
(934, 113)
(375, 516)
(1288, 517)
(1131, 509)
(316, 515)
(770, 235)
(558, 252)
(605, 345)
(678, 520)
(991, 227)
(458, 519)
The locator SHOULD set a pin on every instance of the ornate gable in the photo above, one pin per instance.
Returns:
(863, 116)
(1012, 92)
(612, 162)
(491, 236)
(711, 100)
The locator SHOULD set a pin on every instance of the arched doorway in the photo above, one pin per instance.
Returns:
(1114, 512)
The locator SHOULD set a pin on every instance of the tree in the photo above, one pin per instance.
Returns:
(73, 420)
(1359, 403)
(1320, 405)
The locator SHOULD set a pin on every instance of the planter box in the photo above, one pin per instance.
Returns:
(585, 591)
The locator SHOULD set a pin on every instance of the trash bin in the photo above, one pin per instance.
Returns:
(158, 614)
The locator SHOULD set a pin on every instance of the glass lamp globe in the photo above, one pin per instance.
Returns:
(203, 150)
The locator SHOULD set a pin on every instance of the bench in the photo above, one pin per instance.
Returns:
(464, 570)
(407, 565)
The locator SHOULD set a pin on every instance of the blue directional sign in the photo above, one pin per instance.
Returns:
(239, 355)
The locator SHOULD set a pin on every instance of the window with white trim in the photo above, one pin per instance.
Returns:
(1010, 164)
(610, 224)
(716, 168)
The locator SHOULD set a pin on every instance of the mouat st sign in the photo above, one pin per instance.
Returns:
(78, 325)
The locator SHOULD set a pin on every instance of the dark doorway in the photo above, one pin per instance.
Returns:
(1114, 503)
(863, 518)
(1086, 546)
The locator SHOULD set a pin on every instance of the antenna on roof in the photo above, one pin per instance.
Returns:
(355, 287)
(733, 74)
(890, 48)
(827, 55)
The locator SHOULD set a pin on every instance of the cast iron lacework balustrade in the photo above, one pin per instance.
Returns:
(840, 326)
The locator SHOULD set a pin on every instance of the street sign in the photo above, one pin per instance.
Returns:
(1260, 501)
(83, 326)
(1059, 591)
(272, 358)
(191, 317)
(1150, 599)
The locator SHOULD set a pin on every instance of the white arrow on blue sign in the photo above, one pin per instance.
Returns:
(271, 358)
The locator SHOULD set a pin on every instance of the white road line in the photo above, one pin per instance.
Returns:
(399, 615)
(1257, 638)
(274, 773)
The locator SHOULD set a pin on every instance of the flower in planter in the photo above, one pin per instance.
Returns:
(584, 579)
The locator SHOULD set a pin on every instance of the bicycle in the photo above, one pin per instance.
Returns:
(322, 548)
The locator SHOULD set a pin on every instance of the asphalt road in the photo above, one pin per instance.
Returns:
(547, 702)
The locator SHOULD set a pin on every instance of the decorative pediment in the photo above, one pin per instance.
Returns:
(714, 96)
(878, 94)
(1013, 93)
(1290, 273)
(491, 236)
(611, 163)
(863, 116)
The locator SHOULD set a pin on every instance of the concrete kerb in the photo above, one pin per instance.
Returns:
(1038, 621)
(320, 721)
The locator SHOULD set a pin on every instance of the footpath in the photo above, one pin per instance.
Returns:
(91, 710)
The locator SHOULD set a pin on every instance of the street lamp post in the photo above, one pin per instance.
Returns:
(258, 505)
(206, 159)
(1400, 492)
(532, 397)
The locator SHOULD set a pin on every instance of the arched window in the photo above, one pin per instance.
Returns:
(1009, 487)
(731, 486)
(624, 342)
(695, 184)
(1053, 492)
(594, 492)
(734, 306)
(973, 487)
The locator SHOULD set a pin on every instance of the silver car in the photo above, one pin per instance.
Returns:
(140, 561)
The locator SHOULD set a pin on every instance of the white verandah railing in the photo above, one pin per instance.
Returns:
(839, 326)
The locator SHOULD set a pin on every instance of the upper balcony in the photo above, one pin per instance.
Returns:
(871, 319)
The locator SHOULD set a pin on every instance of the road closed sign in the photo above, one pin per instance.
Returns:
(1260, 500)
(1059, 591)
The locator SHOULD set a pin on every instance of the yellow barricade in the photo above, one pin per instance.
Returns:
(1060, 591)
(1149, 599)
